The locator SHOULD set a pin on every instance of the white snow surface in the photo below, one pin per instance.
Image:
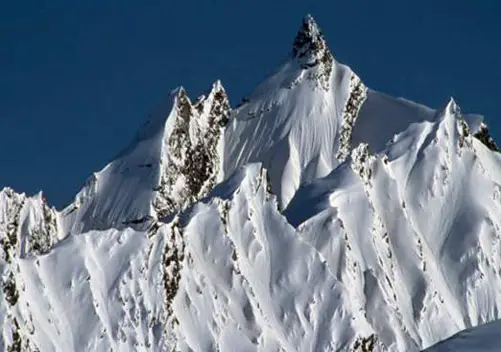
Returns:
(412, 232)
(483, 338)
(325, 216)
(290, 124)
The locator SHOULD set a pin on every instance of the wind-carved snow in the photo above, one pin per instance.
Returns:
(320, 215)
(298, 122)
(248, 280)
(92, 292)
(300, 129)
(408, 234)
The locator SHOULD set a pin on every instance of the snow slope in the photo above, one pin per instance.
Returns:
(303, 120)
(319, 215)
(483, 338)
(412, 232)
(250, 281)
(297, 122)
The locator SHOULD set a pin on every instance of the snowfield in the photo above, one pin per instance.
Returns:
(485, 338)
(318, 215)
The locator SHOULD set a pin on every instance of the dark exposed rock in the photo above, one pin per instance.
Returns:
(172, 261)
(16, 344)
(9, 228)
(192, 150)
(44, 234)
(309, 44)
(12, 223)
(10, 290)
(138, 221)
(365, 344)
(483, 136)
(358, 94)
(311, 51)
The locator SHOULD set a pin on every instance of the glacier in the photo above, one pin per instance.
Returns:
(317, 215)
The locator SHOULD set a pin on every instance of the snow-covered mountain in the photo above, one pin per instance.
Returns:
(318, 215)
(485, 338)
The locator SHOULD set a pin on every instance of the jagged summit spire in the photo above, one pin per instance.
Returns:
(176, 92)
(452, 107)
(309, 45)
(217, 85)
(307, 36)
(220, 106)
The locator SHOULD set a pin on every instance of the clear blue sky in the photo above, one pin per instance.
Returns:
(78, 78)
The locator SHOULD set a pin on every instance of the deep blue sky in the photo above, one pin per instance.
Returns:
(78, 78)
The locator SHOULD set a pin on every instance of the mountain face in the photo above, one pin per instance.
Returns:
(174, 161)
(318, 215)
(298, 122)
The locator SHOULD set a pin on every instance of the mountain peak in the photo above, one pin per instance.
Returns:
(309, 45)
(220, 105)
(452, 107)
(217, 86)
(177, 92)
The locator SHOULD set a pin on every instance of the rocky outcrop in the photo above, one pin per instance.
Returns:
(483, 136)
(28, 227)
(358, 94)
(311, 51)
(191, 162)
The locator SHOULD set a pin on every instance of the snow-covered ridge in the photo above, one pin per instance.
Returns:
(173, 161)
(482, 338)
(411, 232)
(319, 215)
(298, 122)
(28, 227)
